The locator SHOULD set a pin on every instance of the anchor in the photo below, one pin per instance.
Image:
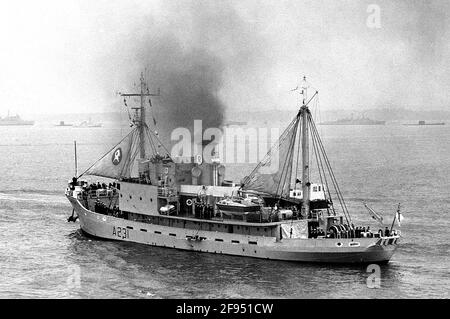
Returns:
(72, 218)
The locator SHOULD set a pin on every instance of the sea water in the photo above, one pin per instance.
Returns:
(44, 256)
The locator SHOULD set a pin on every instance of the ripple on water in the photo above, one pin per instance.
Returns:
(42, 250)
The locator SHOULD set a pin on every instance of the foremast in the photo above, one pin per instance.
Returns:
(139, 119)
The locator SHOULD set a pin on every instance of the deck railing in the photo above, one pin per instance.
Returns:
(167, 191)
(101, 193)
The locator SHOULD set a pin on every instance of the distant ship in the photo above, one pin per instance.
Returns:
(88, 124)
(235, 123)
(353, 121)
(61, 123)
(14, 121)
(424, 123)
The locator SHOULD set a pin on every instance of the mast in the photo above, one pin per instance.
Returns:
(76, 160)
(142, 120)
(305, 150)
(141, 117)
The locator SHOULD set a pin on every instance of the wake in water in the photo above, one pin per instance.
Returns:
(33, 196)
(31, 191)
(24, 204)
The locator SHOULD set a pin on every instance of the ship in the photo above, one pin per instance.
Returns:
(88, 124)
(63, 124)
(14, 121)
(423, 123)
(354, 121)
(276, 214)
(235, 123)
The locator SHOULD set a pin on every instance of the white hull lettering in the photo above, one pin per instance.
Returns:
(121, 232)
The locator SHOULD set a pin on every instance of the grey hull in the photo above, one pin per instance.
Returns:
(358, 250)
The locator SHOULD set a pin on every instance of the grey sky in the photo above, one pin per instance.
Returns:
(72, 56)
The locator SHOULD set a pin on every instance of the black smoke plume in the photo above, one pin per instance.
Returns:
(190, 81)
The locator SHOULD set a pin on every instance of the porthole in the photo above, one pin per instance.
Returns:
(131, 197)
(140, 198)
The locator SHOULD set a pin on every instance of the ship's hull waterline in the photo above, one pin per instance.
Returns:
(345, 250)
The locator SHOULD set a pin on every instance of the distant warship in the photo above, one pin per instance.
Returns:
(88, 124)
(235, 123)
(62, 124)
(354, 121)
(421, 123)
(14, 121)
(168, 202)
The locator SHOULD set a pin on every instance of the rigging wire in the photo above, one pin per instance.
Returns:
(332, 176)
(162, 145)
(128, 160)
(321, 170)
(333, 180)
(298, 154)
(287, 163)
(269, 153)
(152, 145)
(128, 110)
(321, 159)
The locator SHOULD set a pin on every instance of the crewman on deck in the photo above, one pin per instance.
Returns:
(386, 232)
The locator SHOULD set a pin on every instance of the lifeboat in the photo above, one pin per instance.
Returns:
(237, 206)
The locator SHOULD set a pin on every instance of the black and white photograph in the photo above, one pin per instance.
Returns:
(226, 150)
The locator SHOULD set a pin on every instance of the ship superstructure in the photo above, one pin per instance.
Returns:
(187, 204)
(14, 120)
